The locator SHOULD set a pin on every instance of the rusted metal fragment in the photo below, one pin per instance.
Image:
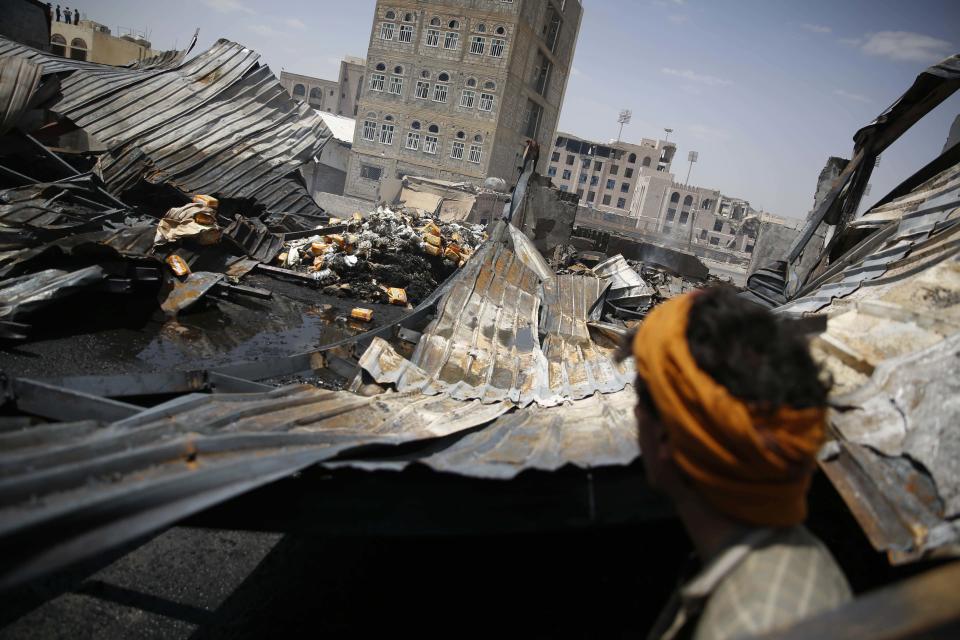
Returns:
(186, 292)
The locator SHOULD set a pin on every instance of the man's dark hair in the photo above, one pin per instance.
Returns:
(748, 350)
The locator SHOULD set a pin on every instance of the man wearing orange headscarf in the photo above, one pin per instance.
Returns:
(731, 412)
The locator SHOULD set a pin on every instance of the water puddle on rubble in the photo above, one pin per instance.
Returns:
(229, 332)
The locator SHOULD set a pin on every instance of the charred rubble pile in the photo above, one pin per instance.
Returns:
(123, 180)
(387, 256)
(635, 286)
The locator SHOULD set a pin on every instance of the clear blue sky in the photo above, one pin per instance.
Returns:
(765, 90)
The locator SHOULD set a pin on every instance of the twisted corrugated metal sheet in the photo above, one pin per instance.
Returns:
(219, 124)
(19, 78)
(501, 333)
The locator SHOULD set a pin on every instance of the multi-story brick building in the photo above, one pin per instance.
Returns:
(453, 88)
(605, 175)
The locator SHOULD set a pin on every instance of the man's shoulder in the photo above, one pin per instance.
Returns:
(789, 577)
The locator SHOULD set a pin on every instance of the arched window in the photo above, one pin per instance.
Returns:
(58, 45)
(646, 161)
(706, 204)
(632, 157)
(443, 77)
(299, 90)
(78, 49)
(435, 22)
(372, 114)
(481, 28)
(415, 124)
(381, 67)
(675, 197)
(398, 70)
(500, 31)
(461, 135)
(478, 138)
(433, 129)
(688, 201)
(490, 85)
(471, 82)
(453, 24)
(390, 15)
(316, 92)
(408, 17)
(388, 118)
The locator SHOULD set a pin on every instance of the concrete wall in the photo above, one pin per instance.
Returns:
(773, 242)
(352, 75)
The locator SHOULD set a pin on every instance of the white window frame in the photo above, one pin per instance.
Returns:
(426, 90)
(476, 154)
(430, 143)
(440, 90)
(451, 40)
(467, 98)
(387, 29)
(456, 150)
(478, 44)
(369, 130)
(413, 140)
(433, 38)
(386, 133)
(497, 45)
(377, 80)
(396, 85)
(405, 29)
(486, 98)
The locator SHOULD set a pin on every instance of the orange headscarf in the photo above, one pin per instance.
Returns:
(750, 465)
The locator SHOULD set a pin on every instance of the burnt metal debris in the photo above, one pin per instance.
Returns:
(492, 362)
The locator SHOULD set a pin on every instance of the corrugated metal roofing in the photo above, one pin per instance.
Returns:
(486, 339)
(219, 124)
(69, 493)
(892, 348)
(19, 78)
(592, 432)
(577, 366)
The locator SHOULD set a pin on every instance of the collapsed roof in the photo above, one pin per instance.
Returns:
(218, 124)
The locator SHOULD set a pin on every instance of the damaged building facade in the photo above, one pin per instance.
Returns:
(605, 176)
(453, 88)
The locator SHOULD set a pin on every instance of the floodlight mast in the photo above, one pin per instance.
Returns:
(623, 118)
(691, 158)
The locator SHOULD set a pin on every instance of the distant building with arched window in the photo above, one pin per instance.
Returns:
(338, 97)
(95, 42)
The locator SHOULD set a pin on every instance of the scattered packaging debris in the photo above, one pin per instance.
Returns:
(358, 313)
(383, 254)
(193, 221)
